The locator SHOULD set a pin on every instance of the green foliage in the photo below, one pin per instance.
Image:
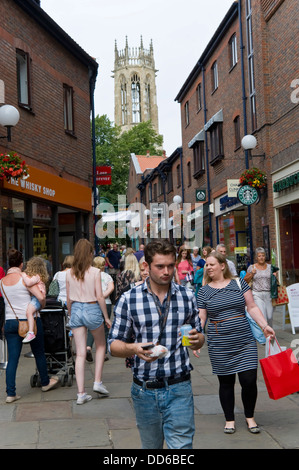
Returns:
(114, 148)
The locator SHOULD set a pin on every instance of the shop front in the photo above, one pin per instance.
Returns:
(286, 206)
(43, 215)
(232, 229)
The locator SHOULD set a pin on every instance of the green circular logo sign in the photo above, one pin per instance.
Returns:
(248, 195)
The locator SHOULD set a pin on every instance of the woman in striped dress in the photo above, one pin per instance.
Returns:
(231, 345)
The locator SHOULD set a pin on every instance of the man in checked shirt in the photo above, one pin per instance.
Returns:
(154, 312)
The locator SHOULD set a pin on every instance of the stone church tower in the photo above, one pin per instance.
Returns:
(135, 96)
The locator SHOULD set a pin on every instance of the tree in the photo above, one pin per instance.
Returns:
(114, 148)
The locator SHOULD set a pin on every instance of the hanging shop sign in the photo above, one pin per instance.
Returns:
(103, 175)
(248, 195)
(200, 195)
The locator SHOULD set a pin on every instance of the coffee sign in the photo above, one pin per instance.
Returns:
(248, 195)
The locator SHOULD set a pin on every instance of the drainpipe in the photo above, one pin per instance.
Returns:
(207, 152)
(244, 98)
(92, 83)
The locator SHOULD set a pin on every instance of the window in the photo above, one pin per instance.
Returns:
(178, 175)
(214, 76)
(23, 78)
(148, 100)
(198, 158)
(169, 182)
(68, 108)
(237, 132)
(155, 192)
(136, 110)
(187, 113)
(233, 51)
(123, 92)
(198, 96)
(189, 173)
(216, 141)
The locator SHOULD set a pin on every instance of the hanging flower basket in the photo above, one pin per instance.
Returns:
(254, 177)
(12, 166)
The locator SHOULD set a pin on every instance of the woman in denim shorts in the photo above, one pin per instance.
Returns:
(88, 311)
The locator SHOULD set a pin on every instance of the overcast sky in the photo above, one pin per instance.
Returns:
(180, 30)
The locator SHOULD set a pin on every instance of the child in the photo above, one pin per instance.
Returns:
(35, 273)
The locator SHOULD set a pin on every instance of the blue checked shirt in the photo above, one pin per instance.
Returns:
(136, 313)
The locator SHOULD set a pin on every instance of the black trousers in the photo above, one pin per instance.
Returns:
(248, 384)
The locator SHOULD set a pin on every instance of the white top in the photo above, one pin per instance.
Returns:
(19, 297)
(60, 276)
(106, 278)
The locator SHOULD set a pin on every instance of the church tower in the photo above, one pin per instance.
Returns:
(135, 95)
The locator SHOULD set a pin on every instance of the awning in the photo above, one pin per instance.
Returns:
(198, 137)
(218, 117)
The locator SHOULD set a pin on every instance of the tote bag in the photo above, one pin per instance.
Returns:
(281, 373)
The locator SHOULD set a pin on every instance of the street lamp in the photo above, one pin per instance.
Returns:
(249, 143)
(9, 117)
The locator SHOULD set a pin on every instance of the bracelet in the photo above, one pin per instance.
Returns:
(264, 327)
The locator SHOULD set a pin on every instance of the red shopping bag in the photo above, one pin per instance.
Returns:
(281, 373)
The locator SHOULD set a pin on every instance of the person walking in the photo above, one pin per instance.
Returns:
(184, 266)
(87, 309)
(221, 248)
(260, 275)
(60, 277)
(154, 312)
(195, 256)
(231, 344)
(130, 274)
(17, 298)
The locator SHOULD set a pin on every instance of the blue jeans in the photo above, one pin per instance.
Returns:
(14, 348)
(86, 314)
(164, 413)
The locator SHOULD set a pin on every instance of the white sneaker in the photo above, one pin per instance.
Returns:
(100, 388)
(81, 399)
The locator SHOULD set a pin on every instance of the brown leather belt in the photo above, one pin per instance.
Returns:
(225, 319)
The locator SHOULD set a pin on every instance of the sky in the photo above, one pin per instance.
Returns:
(180, 31)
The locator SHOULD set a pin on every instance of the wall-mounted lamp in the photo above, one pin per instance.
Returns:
(249, 143)
(9, 117)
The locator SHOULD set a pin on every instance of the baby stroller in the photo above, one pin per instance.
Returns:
(58, 351)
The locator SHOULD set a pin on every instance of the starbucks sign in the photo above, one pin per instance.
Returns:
(248, 195)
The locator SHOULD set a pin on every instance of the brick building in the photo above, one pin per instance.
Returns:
(242, 85)
(50, 80)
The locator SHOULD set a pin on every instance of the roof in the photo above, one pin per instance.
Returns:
(33, 9)
(146, 162)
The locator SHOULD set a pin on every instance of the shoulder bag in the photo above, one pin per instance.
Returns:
(23, 326)
(256, 330)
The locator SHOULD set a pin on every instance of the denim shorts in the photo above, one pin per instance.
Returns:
(35, 303)
(86, 314)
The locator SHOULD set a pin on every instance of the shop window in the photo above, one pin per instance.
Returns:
(289, 230)
(13, 228)
(23, 79)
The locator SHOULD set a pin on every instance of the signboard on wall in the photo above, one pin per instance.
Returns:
(103, 175)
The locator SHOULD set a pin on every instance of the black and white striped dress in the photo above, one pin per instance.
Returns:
(231, 345)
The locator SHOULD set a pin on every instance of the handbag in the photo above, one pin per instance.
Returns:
(282, 296)
(23, 325)
(54, 288)
(280, 372)
(256, 330)
(189, 277)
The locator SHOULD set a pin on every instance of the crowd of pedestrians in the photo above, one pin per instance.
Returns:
(133, 304)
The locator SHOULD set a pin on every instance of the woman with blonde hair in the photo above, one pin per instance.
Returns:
(60, 277)
(129, 275)
(87, 309)
(231, 344)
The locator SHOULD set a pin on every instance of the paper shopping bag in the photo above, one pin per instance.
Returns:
(282, 297)
(281, 374)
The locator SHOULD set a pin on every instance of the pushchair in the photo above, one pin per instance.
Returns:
(58, 350)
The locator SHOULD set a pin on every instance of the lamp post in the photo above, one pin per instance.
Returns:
(9, 117)
(248, 143)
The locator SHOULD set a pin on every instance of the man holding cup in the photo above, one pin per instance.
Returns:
(154, 312)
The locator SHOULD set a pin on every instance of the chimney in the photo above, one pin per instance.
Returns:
(147, 153)
(164, 153)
